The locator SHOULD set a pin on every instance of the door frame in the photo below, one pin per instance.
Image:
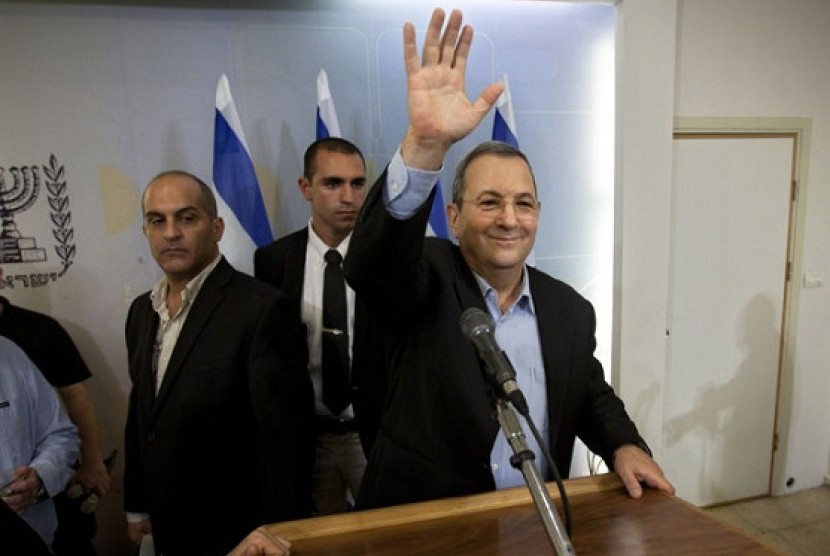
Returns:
(800, 130)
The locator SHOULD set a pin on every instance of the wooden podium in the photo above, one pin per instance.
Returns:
(605, 521)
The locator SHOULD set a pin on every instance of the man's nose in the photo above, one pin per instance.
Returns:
(171, 229)
(507, 214)
(346, 195)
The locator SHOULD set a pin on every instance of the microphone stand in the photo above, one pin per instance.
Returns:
(522, 459)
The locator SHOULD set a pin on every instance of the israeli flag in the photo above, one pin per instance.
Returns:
(327, 123)
(504, 123)
(246, 221)
(504, 130)
(437, 223)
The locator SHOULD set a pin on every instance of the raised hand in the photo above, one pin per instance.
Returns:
(439, 111)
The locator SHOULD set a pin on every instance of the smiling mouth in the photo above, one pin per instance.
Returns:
(505, 239)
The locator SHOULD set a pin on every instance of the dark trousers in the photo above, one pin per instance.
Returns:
(17, 537)
(75, 528)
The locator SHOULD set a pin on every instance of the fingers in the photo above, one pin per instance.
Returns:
(262, 542)
(93, 477)
(23, 490)
(104, 485)
(450, 38)
(410, 50)
(278, 542)
(652, 477)
(632, 484)
(635, 467)
(433, 41)
(19, 501)
(659, 482)
(461, 50)
(439, 111)
(489, 96)
(137, 529)
(439, 48)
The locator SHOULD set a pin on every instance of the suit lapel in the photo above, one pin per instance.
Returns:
(467, 290)
(468, 293)
(554, 336)
(146, 394)
(292, 283)
(206, 302)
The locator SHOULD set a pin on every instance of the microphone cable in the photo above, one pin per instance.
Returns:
(566, 507)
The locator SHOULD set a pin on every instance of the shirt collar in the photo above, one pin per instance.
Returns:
(158, 295)
(525, 299)
(320, 247)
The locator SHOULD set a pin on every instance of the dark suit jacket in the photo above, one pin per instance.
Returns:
(227, 444)
(282, 264)
(438, 428)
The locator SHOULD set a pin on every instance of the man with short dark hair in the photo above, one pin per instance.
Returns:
(219, 435)
(334, 184)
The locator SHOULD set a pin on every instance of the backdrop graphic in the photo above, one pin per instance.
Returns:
(97, 99)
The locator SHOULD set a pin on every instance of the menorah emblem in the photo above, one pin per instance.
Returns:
(15, 197)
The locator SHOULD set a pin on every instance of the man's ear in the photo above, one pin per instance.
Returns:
(453, 213)
(218, 228)
(305, 187)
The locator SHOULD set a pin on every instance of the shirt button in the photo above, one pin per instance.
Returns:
(494, 467)
(151, 437)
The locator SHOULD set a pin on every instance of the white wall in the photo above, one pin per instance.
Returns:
(645, 70)
(736, 58)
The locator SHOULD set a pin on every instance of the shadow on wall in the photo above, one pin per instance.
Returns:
(725, 418)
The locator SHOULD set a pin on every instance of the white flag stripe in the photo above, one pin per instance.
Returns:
(225, 105)
(504, 104)
(325, 105)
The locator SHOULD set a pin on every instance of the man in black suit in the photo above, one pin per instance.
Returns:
(438, 437)
(333, 182)
(219, 435)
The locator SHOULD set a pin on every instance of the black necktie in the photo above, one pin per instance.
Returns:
(335, 336)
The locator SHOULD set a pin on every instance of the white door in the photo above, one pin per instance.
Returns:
(730, 223)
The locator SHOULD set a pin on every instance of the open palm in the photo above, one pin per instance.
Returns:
(439, 111)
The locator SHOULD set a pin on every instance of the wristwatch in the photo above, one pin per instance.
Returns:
(41, 491)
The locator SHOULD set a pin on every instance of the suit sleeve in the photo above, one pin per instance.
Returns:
(133, 481)
(283, 402)
(57, 444)
(261, 266)
(385, 263)
(604, 424)
(133, 500)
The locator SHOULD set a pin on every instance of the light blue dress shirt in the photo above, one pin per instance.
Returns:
(518, 335)
(34, 431)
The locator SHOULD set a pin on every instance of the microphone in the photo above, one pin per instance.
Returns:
(479, 328)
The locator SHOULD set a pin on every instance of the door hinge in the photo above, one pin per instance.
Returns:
(793, 190)
(788, 271)
(775, 442)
